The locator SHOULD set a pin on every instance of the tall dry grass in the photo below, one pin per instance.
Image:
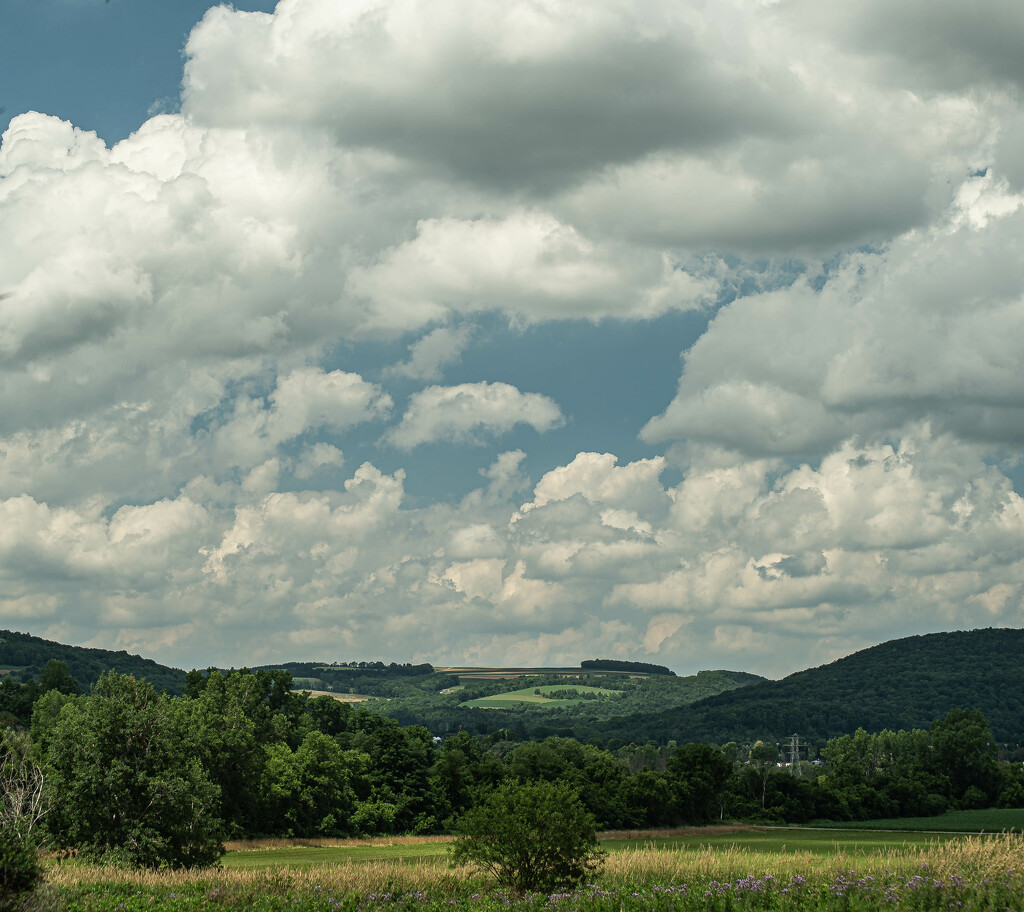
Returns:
(256, 845)
(972, 858)
(359, 877)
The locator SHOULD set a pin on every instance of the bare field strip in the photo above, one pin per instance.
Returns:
(340, 697)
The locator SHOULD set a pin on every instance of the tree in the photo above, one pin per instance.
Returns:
(536, 837)
(123, 788)
(23, 795)
(764, 758)
(698, 773)
(22, 805)
(308, 790)
(57, 676)
(965, 752)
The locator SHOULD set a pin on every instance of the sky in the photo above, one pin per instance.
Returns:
(511, 332)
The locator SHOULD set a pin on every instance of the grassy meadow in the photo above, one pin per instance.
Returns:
(710, 870)
(294, 854)
(990, 820)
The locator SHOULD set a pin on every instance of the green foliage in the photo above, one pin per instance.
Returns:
(16, 701)
(124, 790)
(902, 684)
(398, 774)
(57, 676)
(31, 654)
(619, 665)
(698, 773)
(233, 718)
(965, 753)
(19, 867)
(534, 838)
(309, 790)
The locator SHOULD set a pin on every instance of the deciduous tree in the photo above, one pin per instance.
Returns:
(530, 838)
(123, 788)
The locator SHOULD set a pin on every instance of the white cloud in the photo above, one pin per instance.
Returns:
(927, 329)
(317, 457)
(436, 350)
(920, 536)
(527, 264)
(470, 413)
(563, 88)
(597, 478)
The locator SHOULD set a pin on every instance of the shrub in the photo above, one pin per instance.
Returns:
(19, 867)
(530, 838)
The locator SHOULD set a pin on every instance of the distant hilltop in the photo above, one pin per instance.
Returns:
(619, 665)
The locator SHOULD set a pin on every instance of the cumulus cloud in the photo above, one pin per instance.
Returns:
(528, 264)
(306, 399)
(317, 457)
(471, 412)
(564, 89)
(430, 354)
(928, 328)
(721, 567)
(942, 45)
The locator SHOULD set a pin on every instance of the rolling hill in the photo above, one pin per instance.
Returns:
(23, 655)
(901, 684)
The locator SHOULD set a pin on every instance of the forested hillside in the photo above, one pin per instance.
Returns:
(902, 684)
(23, 656)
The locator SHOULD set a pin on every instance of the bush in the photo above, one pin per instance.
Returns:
(535, 838)
(19, 867)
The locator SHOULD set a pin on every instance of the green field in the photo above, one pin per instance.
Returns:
(527, 695)
(763, 841)
(509, 672)
(303, 855)
(717, 869)
(990, 820)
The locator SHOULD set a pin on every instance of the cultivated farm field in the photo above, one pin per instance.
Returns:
(528, 695)
(711, 870)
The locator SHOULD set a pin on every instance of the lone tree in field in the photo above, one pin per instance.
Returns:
(534, 838)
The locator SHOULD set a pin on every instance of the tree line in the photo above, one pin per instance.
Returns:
(138, 776)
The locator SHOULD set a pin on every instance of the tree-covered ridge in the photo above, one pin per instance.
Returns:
(24, 657)
(343, 672)
(620, 665)
(901, 684)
